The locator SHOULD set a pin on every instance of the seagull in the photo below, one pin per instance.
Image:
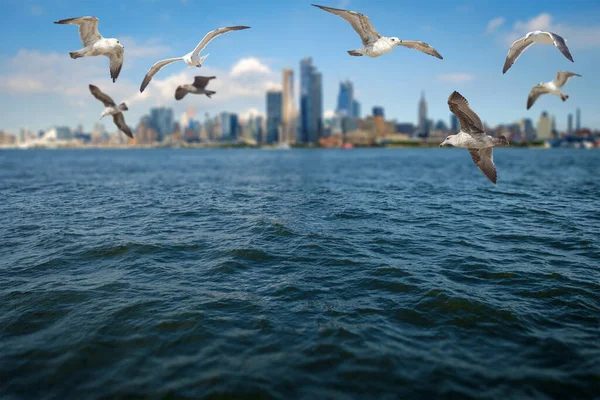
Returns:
(473, 137)
(552, 87)
(95, 45)
(374, 44)
(192, 59)
(110, 108)
(198, 87)
(520, 45)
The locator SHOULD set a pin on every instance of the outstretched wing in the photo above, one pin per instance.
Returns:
(515, 51)
(201, 81)
(421, 46)
(103, 97)
(180, 93)
(360, 22)
(154, 69)
(213, 34)
(119, 120)
(534, 94)
(484, 160)
(469, 121)
(88, 29)
(562, 77)
(116, 62)
(560, 44)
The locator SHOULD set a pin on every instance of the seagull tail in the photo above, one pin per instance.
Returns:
(354, 53)
(209, 93)
(501, 141)
(564, 97)
(78, 53)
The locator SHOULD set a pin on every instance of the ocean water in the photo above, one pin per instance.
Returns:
(299, 274)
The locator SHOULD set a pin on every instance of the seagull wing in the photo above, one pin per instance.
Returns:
(560, 44)
(201, 81)
(515, 51)
(535, 92)
(421, 46)
(154, 69)
(180, 92)
(213, 34)
(88, 29)
(469, 121)
(360, 23)
(119, 120)
(484, 160)
(103, 97)
(562, 77)
(116, 62)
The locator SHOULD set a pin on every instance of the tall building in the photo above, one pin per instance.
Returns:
(378, 112)
(527, 129)
(356, 109)
(288, 117)
(454, 123)
(554, 130)
(578, 120)
(423, 123)
(544, 127)
(570, 124)
(274, 116)
(228, 126)
(345, 105)
(161, 120)
(311, 103)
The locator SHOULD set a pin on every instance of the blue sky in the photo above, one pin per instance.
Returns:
(41, 86)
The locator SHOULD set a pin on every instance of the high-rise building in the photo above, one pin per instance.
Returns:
(527, 129)
(578, 120)
(554, 130)
(570, 124)
(378, 112)
(311, 103)
(288, 107)
(234, 126)
(161, 120)
(345, 100)
(423, 123)
(544, 127)
(225, 125)
(274, 116)
(454, 123)
(356, 112)
(257, 128)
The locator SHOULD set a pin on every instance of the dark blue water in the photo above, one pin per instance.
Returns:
(299, 274)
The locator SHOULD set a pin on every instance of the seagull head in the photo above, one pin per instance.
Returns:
(395, 41)
(115, 42)
(449, 141)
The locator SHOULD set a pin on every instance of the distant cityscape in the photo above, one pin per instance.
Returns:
(285, 124)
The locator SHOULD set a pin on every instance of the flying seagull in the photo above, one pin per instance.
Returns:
(198, 87)
(191, 59)
(552, 87)
(374, 44)
(520, 45)
(95, 45)
(473, 137)
(110, 108)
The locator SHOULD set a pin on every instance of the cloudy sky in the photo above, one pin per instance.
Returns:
(41, 86)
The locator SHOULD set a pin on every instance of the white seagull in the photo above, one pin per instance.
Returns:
(520, 45)
(552, 87)
(473, 137)
(95, 45)
(198, 87)
(192, 59)
(374, 44)
(111, 108)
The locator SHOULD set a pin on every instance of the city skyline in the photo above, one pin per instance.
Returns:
(245, 69)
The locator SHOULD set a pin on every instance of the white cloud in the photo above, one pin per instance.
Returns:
(457, 77)
(149, 48)
(249, 66)
(251, 112)
(575, 35)
(36, 10)
(328, 114)
(494, 24)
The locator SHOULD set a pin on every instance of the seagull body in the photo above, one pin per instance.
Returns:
(473, 137)
(95, 45)
(552, 87)
(111, 108)
(374, 44)
(198, 87)
(193, 58)
(521, 45)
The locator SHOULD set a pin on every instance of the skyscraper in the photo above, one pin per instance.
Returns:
(544, 127)
(346, 100)
(161, 120)
(570, 124)
(356, 109)
(423, 124)
(578, 120)
(274, 116)
(378, 112)
(454, 123)
(311, 103)
(288, 107)
(527, 129)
